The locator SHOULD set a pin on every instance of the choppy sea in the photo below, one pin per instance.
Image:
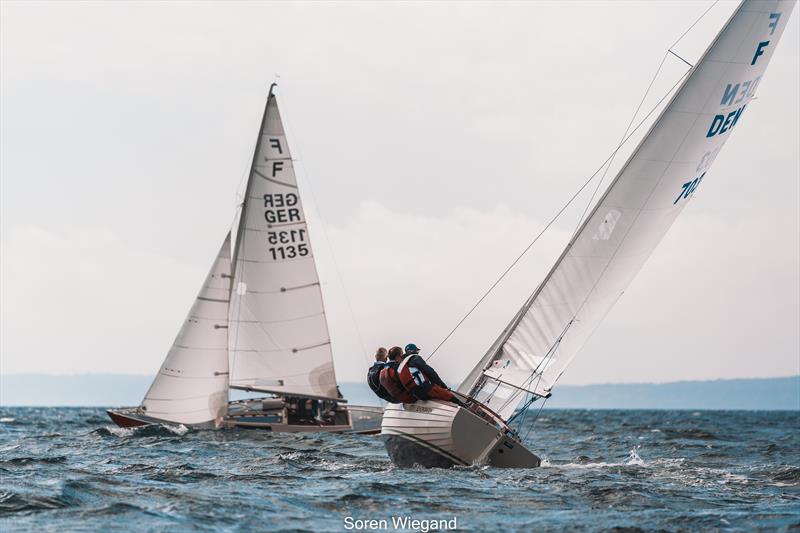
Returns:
(70, 469)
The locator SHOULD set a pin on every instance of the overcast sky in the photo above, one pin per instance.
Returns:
(437, 140)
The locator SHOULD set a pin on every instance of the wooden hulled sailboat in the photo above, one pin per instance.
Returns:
(601, 259)
(258, 323)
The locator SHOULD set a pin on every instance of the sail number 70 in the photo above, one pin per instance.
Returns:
(688, 188)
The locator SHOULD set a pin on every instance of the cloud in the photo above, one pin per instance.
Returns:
(717, 299)
(78, 299)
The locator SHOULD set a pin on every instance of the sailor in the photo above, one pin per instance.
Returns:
(374, 375)
(422, 381)
(390, 379)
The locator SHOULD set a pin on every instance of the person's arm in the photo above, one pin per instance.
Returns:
(418, 362)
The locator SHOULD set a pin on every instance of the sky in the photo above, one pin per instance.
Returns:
(433, 140)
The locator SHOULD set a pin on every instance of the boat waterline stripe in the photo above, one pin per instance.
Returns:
(428, 445)
(273, 180)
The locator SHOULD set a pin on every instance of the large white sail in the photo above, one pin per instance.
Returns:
(640, 205)
(278, 339)
(192, 385)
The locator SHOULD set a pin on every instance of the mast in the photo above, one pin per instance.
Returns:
(243, 214)
(635, 211)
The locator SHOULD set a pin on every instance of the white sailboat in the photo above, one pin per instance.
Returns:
(258, 323)
(601, 259)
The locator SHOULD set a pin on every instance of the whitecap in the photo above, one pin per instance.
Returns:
(633, 458)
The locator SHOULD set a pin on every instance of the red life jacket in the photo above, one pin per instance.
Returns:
(410, 377)
(390, 380)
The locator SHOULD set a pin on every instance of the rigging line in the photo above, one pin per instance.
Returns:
(555, 217)
(627, 129)
(641, 103)
(695, 23)
(330, 248)
(652, 191)
(679, 57)
(535, 419)
(625, 138)
(535, 374)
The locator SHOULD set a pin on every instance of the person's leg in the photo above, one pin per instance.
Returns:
(423, 391)
(440, 393)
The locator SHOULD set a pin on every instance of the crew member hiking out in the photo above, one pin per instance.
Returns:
(374, 375)
(390, 379)
(422, 381)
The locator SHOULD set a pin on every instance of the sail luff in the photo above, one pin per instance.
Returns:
(240, 228)
(637, 208)
(245, 203)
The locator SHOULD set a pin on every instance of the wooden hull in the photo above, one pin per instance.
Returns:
(127, 417)
(437, 434)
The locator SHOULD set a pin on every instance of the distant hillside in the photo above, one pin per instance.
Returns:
(125, 389)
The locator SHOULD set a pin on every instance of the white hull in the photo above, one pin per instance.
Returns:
(440, 434)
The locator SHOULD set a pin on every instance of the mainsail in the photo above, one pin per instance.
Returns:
(278, 338)
(637, 209)
(192, 385)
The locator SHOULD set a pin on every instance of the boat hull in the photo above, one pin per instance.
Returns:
(366, 419)
(132, 417)
(127, 417)
(360, 419)
(437, 434)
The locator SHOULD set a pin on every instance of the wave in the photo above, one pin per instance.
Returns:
(151, 430)
(11, 503)
(22, 461)
(689, 433)
(787, 474)
(586, 462)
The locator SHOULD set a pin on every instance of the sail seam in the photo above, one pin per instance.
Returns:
(293, 319)
(293, 350)
(273, 180)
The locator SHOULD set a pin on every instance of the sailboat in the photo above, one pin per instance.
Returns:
(600, 260)
(258, 323)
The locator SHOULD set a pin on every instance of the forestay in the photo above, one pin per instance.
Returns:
(640, 205)
(279, 338)
(192, 385)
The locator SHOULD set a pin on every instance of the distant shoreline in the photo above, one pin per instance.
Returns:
(752, 394)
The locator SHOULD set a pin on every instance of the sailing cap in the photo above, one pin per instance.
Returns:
(411, 348)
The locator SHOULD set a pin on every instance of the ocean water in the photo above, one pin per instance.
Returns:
(70, 469)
